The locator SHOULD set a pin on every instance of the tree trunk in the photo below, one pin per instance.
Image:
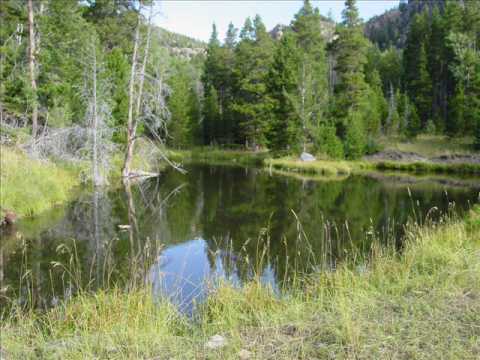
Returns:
(131, 130)
(31, 64)
(133, 116)
(96, 175)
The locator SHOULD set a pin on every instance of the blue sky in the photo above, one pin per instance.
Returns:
(195, 18)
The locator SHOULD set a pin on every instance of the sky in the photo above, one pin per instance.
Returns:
(195, 18)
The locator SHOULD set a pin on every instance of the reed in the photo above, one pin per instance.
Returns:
(421, 302)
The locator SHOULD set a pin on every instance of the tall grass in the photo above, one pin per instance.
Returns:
(29, 186)
(420, 303)
(430, 145)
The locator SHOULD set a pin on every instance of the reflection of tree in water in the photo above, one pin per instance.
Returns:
(252, 223)
(336, 217)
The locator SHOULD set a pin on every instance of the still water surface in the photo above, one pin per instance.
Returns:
(183, 233)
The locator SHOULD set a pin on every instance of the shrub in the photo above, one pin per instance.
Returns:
(355, 138)
(327, 142)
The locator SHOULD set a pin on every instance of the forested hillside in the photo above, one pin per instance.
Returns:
(339, 94)
(51, 85)
(309, 85)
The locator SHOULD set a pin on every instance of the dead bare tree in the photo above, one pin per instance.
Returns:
(32, 66)
(131, 124)
(146, 100)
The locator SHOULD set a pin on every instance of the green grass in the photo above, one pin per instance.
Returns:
(430, 145)
(319, 167)
(29, 186)
(219, 156)
(423, 145)
(422, 304)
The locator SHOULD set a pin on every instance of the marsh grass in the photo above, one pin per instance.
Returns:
(430, 145)
(318, 167)
(419, 303)
(219, 156)
(30, 186)
(425, 145)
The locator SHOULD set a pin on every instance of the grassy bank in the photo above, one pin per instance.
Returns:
(428, 167)
(422, 304)
(31, 186)
(429, 145)
(425, 146)
(320, 167)
(219, 156)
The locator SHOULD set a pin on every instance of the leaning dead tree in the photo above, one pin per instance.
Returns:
(32, 66)
(134, 113)
(147, 94)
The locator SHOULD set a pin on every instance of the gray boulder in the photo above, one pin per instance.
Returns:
(307, 157)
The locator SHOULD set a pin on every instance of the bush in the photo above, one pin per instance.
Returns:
(327, 142)
(372, 146)
(355, 138)
(430, 129)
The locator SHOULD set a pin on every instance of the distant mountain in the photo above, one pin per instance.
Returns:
(390, 28)
(178, 44)
(327, 25)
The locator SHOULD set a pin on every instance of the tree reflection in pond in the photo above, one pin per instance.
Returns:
(181, 232)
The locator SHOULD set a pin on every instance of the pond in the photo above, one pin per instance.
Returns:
(184, 233)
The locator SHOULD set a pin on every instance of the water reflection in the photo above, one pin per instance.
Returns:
(184, 233)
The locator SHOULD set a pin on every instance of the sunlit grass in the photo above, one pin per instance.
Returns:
(421, 303)
(320, 167)
(219, 156)
(30, 186)
(430, 145)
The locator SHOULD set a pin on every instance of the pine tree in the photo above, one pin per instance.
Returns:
(351, 90)
(465, 70)
(377, 108)
(211, 116)
(437, 69)
(117, 70)
(179, 106)
(63, 53)
(418, 83)
(350, 48)
(355, 140)
(211, 78)
(253, 57)
(284, 126)
(312, 94)
(452, 23)
(422, 87)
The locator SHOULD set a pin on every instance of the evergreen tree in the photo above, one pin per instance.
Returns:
(466, 70)
(253, 57)
(377, 109)
(312, 95)
(350, 47)
(437, 68)
(179, 106)
(63, 55)
(284, 127)
(117, 70)
(211, 79)
(211, 115)
(355, 140)
(418, 83)
(351, 90)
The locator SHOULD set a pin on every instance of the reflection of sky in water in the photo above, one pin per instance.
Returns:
(185, 274)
